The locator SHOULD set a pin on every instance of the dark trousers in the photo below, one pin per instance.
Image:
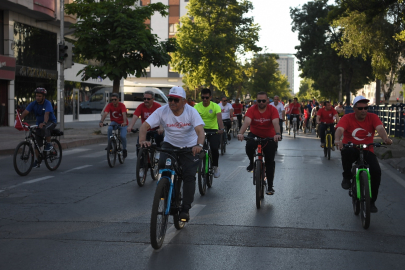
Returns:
(189, 165)
(322, 130)
(239, 116)
(269, 151)
(228, 124)
(214, 141)
(350, 155)
(280, 121)
(44, 132)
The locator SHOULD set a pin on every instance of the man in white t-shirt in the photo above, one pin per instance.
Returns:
(227, 114)
(281, 112)
(183, 127)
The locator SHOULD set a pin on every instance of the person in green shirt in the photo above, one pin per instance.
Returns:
(211, 115)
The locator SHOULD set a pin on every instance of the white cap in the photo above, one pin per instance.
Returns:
(177, 92)
(359, 98)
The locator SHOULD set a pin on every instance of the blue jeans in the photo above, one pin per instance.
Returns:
(123, 134)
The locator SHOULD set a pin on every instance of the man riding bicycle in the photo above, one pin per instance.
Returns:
(359, 128)
(326, 118)
(183, 128)
(294, 109)
(264, 123)
(237, 110)
(118, 116)
(210, 113)
(281, 112)
(227, 113)
(46, 121)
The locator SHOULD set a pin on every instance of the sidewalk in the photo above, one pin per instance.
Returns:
(394, 154)
(76, 134)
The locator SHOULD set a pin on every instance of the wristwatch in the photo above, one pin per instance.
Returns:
(200, 145)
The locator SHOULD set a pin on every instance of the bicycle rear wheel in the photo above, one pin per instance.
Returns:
(355, 200)
(121, 158)
(259, 183)
(364, 200)
(158, 220)
(23, 158)
(202, 177)
(210, 175)
(325, 151)
(154, 168)
(112, 153)
(53, 158)
(142, 164)
(177, 200)
(329, 153)
(295, 128)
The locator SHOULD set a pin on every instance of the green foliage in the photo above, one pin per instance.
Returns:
(114, 33)
(210, 36)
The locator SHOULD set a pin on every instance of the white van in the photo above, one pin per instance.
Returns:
(133, 97)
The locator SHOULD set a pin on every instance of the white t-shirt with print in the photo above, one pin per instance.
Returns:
(280, 109)
(179, 130)
(225, 110)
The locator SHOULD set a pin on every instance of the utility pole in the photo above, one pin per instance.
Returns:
(62, 70)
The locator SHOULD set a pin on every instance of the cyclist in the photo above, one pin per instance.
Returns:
(287, 116)
(294, 108)
(210, 113)
(183, 128)
(237, 110)
(314, 112)
(46, 121)
(325, 118)
(281, 112)
(340, 109)
(118, 116)
(143, 111)
(227, 113)
(264, 122)
(359, 128)
(190, 102)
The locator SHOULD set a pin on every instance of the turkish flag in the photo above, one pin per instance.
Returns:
(18, 124)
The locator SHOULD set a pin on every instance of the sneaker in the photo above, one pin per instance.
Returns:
(217, 173)
(48, 147)
(184, 216)
(36, 164)
(346, 183)
(322, 145)
(125, 153)
(270, 191)
(250, 168)
(141, 172)
(373, 208)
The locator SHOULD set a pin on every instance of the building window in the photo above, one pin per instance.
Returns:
(172, 29)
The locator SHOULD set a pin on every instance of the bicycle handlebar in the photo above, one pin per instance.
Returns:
(246, 138)
(352, 145)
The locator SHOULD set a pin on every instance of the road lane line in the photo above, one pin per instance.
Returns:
(398, 179)
(172, 231)
(78, 168)
(29, 182)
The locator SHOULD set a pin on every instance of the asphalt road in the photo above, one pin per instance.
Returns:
(86, 215)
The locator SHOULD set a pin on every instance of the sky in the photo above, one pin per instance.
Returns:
(275, 22)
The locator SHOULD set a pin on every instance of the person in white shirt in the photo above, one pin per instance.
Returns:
(227, 114)
(183, 127)
(281, 111)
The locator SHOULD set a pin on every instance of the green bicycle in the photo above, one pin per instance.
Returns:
(205, 170)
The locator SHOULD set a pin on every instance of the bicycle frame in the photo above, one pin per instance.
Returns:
(327, 137)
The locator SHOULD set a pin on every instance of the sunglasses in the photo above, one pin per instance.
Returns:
(176, 100)
(114, 99)
(261, 101)
(145, 98)
(362, 108)
(224, 100)
(205, 97)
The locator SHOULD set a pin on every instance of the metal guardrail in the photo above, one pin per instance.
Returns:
(392, 116)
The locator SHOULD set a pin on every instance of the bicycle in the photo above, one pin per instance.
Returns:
(147, 156)
(168, 198)
(235, 127)
(205, 171)
(224, 137)
(115, 147)
(259, 169)
(360, 190)
(328, 142)
(295, 124)
(23, 158)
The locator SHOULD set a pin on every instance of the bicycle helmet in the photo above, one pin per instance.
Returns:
(40, 90)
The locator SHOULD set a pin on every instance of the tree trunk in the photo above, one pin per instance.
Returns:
(116, 86)
(378, 92)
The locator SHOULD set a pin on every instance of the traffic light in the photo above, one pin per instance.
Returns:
(70, 55)
(62, 52)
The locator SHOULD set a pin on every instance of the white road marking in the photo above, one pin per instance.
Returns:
(74, 151)
(398, 179)
(29, 182)
(172, 231)
(78, 168)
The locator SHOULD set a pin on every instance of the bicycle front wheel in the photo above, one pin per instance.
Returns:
(142, 167)
(355, 200)
(364, 200)
(53, 158)
(23, 158)
(210, 175)
(154, 167)
(112, 153)
(158, 220)
(259, 183)
(202, 177)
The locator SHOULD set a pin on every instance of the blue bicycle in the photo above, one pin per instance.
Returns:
(168, 198)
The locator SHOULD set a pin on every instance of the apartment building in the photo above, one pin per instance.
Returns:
(286, 67)
(368, 91)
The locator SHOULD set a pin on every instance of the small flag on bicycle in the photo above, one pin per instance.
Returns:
(18, 124)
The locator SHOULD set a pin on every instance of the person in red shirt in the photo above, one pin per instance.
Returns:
(143, 111)
(359, 128)
(325, 118)
(237, 110)
(294, 110)
(118, 116)
(190, 102)
(263, 120)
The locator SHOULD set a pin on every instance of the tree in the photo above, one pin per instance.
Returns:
(114, 33)
(307, 91)
(209, 38)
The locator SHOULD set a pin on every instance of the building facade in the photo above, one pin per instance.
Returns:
(286, 67)
(368, 91)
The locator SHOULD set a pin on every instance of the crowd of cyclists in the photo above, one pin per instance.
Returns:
(183, 123)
